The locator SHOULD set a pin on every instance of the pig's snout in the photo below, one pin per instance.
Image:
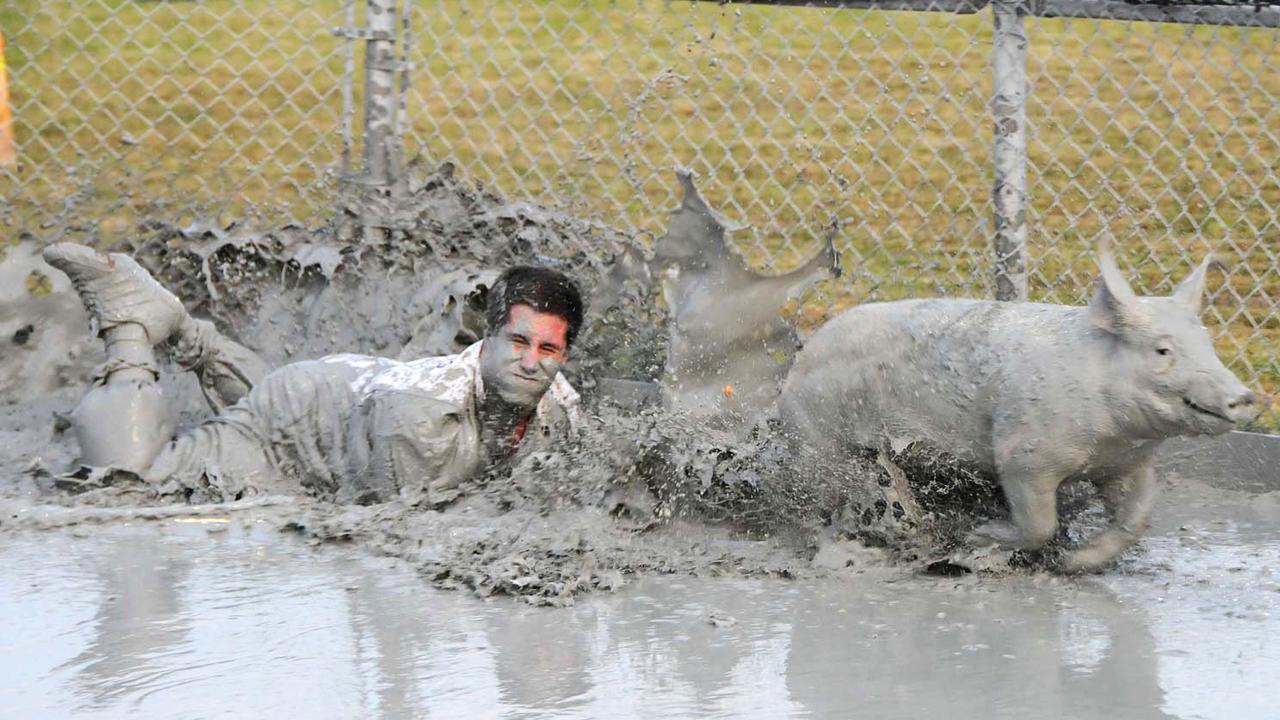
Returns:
(1247, 399)
(1245, 406)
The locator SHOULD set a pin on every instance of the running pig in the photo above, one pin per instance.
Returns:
(1034, 393)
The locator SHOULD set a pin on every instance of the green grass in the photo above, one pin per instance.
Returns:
(796, 119)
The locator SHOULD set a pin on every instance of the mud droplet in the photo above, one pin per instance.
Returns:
(23, 334)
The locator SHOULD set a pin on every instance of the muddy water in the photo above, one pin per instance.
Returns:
(221, 618)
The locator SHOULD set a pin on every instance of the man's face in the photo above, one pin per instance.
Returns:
(522, 358)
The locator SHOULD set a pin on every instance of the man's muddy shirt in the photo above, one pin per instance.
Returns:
(368, 429)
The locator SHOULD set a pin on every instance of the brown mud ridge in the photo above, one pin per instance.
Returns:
(648, 489)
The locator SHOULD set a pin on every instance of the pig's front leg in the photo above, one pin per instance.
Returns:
(1033, 510)
(1128, 500)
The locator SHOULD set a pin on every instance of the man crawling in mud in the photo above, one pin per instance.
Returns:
(351, 428)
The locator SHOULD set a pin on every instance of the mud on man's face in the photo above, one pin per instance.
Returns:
(522, 358)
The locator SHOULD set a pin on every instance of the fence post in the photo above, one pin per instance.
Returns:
(379, 179)
(1009, 108)
(380, 68)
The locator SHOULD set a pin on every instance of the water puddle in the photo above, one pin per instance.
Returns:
(207, 618)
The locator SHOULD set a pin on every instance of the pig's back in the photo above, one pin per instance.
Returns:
(908, 371)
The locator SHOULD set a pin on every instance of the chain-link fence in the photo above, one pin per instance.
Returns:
(871, 127)
(127, 109)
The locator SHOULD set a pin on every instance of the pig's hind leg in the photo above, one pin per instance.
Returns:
(1128, 500)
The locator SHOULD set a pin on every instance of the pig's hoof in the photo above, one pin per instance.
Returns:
(1088, 559)
(1099, 553)
(1083, 561)
(997, 532)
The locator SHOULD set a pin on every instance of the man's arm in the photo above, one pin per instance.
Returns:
(409, 446)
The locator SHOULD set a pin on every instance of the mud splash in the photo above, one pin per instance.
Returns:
(647, 490)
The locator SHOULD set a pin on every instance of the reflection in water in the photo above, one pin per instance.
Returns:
(173, 621)
(140, 621)
(418, 653)
(385, 642)
(976, 649)
(652, 652)
(539, 664)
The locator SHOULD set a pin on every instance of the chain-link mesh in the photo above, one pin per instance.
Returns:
(872, 128)
(124, 109)
(1168, 135)
(875, 128)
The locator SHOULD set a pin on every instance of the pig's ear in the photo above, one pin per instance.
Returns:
(1114, 307)
(1190, 291)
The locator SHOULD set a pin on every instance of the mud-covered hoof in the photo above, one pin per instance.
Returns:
(996, 532)
(1099, 553)
(1072, 565)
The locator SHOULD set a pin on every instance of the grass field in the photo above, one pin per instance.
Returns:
(872, 126)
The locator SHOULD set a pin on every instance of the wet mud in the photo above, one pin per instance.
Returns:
(196, 616)
(651, 488)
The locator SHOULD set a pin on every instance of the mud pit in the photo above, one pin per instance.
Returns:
(647, 496)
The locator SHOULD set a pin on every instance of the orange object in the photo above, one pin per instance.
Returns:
(728, 391)
(8, 151)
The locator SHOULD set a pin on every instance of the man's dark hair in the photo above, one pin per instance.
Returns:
(542, 289)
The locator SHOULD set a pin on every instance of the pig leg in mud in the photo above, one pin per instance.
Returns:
(1128, 500)
(1032, 496)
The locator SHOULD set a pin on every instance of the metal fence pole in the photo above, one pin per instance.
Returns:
(1009, 108)
(348, 72)
(379, 87)
(395, 146)
(373, 190)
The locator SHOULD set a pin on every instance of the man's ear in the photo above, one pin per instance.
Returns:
(1114, 307)
(1190, 292)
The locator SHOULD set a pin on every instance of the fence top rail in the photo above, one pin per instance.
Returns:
(1244, 13)
(961, 7)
